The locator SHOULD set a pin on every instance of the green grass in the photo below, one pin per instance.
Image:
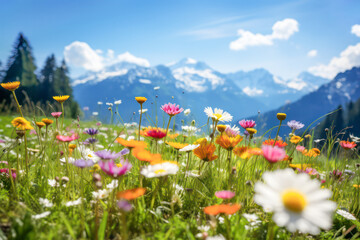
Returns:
(176, 214)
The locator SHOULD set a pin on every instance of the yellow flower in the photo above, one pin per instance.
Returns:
(356, 186)
(177, 145)
(141, 100)
(40, 124)
(21, 123)
(281, 116)
(307, 136)
(199, 140)
(314, 152)
(11, 86)
(300, 166)
(251, 131)
(221, 128)
(47, 121)
(72, 146)
(242, 152)
(61, 98)
(95, 168)
(296, 139)
(206, 151)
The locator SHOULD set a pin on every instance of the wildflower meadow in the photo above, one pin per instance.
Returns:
(64, 178)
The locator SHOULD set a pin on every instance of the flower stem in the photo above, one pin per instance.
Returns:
(63, 113)
(18, 105)
(140, 121)
(277, 133)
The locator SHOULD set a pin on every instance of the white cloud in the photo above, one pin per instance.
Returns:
(312, 53)
(348, 58)
(252, 91)
(355, 29)
(281, 30)
(80, 54)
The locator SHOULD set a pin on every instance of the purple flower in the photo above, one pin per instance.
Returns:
(246, 133)
(111, 169)
(2, 141)
(124, 205)
(90, 141)
(295, 125)
(247, 123)
(92, 131)
(81, 163)
(108, 155)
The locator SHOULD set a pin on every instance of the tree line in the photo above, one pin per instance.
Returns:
(52, 80)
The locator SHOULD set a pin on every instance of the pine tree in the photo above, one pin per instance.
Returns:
(61, 86)
(48, 78)
(21, 64)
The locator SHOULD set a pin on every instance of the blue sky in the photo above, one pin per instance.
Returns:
(167, 31)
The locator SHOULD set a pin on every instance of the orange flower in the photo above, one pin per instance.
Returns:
(145, 156)
(242, 152)
(177, 145)
(296, 139)
(173, 136)
(227, 142)
(132, 143)
(314, 152)
(279, 143)
(11, 86)
(61, 98)
(21, 123)
(47, 121)
(206, 151)
(40, 124)
(72, 146)
(222, 208)
(221, 128)
(131, 194)
(141, 100)
(255, 151)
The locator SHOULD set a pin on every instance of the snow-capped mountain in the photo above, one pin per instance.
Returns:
(201, 87)
(345, 87)
(273, 90)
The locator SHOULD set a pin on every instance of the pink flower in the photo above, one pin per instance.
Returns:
(111, 169)
(247, 123)
(56, 114)
(33, 132)
(225, 194)
(300, 148)
(273, 154)
(67, 138)
(171, 109)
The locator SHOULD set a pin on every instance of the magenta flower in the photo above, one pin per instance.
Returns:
(5, 171)
(56, 114)
(273, 154)
(247, 123)
(2, 141)
(171, 109)
(67, 138)
(110, 168)
(225, 194)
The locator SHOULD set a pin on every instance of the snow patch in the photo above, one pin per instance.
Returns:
(338, 84)
(253, 91)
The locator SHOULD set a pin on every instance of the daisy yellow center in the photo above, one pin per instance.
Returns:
(294, 200)
(160, 171)
(217, 115)
(89, 155)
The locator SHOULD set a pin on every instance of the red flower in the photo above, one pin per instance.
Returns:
(347, 145)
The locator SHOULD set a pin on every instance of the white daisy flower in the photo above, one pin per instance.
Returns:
(114, 184)
(70, 160)
(100, 103)
(109, 104)
(252, 219)
(130, 138)
(100, 194)
(189, 148)
(192, 174)
(73, 203)
(117, 102)
(204, 228)
(53, 183)
(159, 170)
(187, 112)
(217, 237)
(189, 129)
(298, 202)
(88, 154)
(41, 215)
(346, 214)
(218, 114)
(45, 202)
(156, 88)
(95, 113)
